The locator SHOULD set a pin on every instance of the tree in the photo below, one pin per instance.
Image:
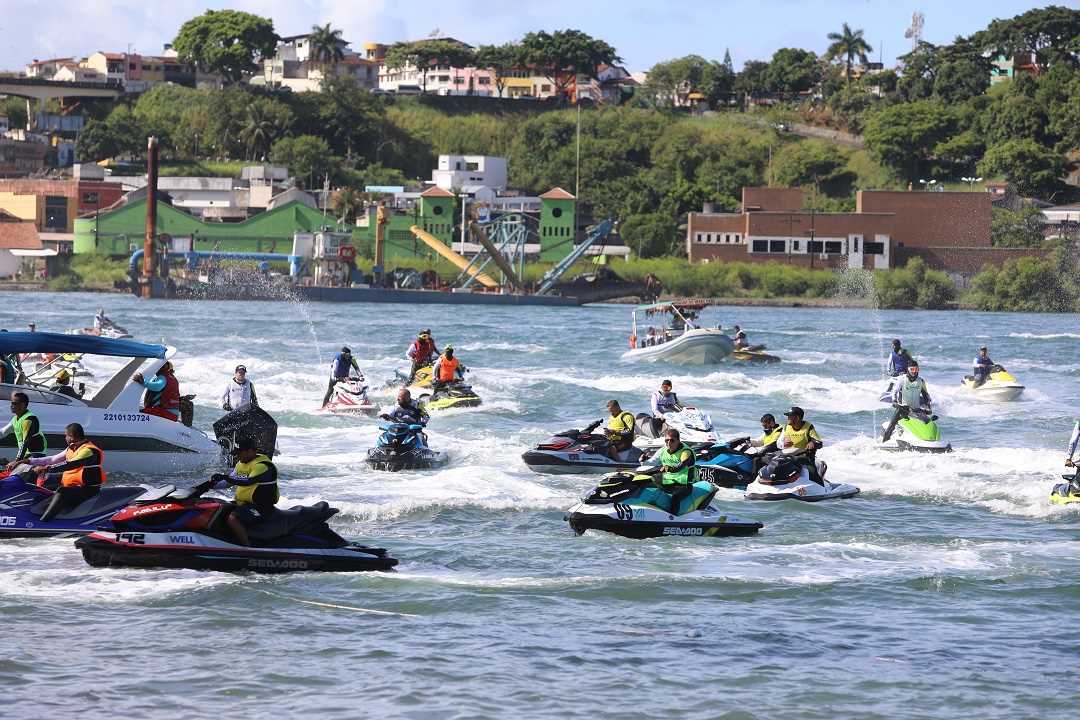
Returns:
(1032, 168)
(160, 110)
(751, 80)
(650, 234)
(325, 45)
(349, 117)
(903, 137)
(1027, 284)
(306, 156)
(501, 60)
(347, 203)
(425, 54)
(792, 71)
(848, 44)
(1051, 35)
(226, 42)
(1023, 228)
(816, 164)
(264, 122)
(96, 142)
(565, 54)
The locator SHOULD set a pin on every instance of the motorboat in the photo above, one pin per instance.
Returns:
(681, 340)
(133, 441)
(999, 386)
(695, 428)
(630, 505)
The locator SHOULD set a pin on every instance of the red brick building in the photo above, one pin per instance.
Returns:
(950, 231)
(53, 205)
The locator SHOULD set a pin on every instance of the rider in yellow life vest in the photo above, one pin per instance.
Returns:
(620, 430)
(447, 368)
(802, 435)
(27, 430)
(255, 478)
(678, 469)
(770, 433)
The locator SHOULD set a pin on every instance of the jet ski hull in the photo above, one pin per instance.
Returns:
(572, 463)
(380, 459)
(995, 392)
(180, 549)
(754, 356)
(801, 488)
(21, 507)
(713, 525)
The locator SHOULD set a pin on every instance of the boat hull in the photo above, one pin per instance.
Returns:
(694, 347)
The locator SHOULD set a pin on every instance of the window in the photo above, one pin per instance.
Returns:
(545, 88)
(556, 212)
(760, 246)
(458, 80)
(483, 81)
(815, 246)
(56, 212)
(777, 246)
(472, 167)
(794, 246)
(89, 198)
(438, 210)
(855, 244)
(131, 66)
(874, 248)
(833, 247)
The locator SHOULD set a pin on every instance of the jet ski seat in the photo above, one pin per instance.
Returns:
(646, 425)
(104, 499)
(284, 522)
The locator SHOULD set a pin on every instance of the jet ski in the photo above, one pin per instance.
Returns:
(403, 447)
(1068, 492)
(729, 464)
(450, 395)
(917, 431)
(421, 381)
(787, 477)
(109, 330)
(22, 503)
(579, 451)
(184, 530)
(753, 354)
(695, 428)
(350, 397)
(628, 504)
(1000, 386)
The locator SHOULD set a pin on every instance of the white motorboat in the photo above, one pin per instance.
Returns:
(133, 441)
(681, 341)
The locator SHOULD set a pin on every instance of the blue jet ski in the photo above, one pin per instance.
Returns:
(22, 504)
(403, 447)
(726, 465)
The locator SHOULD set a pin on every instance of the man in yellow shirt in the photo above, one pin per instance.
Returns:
(620, 432)
(804, 436)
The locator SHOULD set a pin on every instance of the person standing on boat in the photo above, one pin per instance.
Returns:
(27, 430)
(239, 391)
(344, 363)
(63, 385)
(162, 396)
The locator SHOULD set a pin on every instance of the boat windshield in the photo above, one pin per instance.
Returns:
(34, 395)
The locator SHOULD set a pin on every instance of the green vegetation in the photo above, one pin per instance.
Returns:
(227, 42)
(913, 286)
(1028, 284)
(90, 272)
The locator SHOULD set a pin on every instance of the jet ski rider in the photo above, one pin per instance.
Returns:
(406, 411)
(1073, 442)
(256, 481)
(804, 436)
(910, 394)
(981, 366)
(422, 353)
(770, 433)
(663, 401)
(678, 468)
(447, 369)
(344, 363)
(27, 429)
(620, 433)
(899, 359)
(76, 471)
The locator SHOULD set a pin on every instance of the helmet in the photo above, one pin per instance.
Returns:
(448, 348)
(63, 375)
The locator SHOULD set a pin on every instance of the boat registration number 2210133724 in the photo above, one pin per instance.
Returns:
(126, 417)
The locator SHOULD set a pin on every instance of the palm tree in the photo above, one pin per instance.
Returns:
(848, 44)
(347, 203)
(258, 130)
(325, 45)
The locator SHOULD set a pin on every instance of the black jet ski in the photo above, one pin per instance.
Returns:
(403, 447)
(185, 530)
(630, 505)
(580, 451)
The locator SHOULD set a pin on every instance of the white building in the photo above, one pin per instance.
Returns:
(227, 199)
(294, 66)
(457, 171)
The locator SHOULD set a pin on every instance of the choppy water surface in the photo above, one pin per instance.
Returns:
(947, 589)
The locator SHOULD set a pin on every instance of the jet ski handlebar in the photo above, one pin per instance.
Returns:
(590, 427)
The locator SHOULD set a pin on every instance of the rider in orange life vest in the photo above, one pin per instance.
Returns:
(448, 369)
(77, 470)
(162, 393)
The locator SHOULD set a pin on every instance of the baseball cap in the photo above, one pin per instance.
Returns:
(240, 367)
(794, 410)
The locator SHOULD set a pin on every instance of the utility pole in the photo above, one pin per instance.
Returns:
(151, 216)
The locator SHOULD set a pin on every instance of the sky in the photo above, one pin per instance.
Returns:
(642, 31)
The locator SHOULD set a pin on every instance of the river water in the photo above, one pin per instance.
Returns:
(946, 589)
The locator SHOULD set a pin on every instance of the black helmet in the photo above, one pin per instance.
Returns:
(346, 350)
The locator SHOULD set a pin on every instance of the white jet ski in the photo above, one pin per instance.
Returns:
(350, 397)
(695, 428)
(787, 477)
(579, 451)
(629, 505)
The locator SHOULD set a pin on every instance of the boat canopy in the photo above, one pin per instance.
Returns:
(671, 306)
(42, 342)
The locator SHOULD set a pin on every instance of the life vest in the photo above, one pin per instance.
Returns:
(259, 467)
(92, 475)
(342, 365)
(168, 398)
(771, 436)
(687, 475)
(799, 438)
(618, 424)
(633, 341)
(448, 369)
(238, 394)
(35, 444)
(911, 392)
(666, 402)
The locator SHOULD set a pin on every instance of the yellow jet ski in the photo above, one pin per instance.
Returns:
(1066, 493)
(753, 354)
(450, 395)
(1000, 386)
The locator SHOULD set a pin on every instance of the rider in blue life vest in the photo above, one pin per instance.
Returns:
(899, 360)
(980, 366)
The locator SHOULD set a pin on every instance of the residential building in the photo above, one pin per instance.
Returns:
(611, 86)
(457, 171)
(294, 66)
(1005, 68)
(77, 73)
(949, 230)
(439, 79)
(16, 237)
(138, 73)
(21, 156)
(47, 69)
(53, 205)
